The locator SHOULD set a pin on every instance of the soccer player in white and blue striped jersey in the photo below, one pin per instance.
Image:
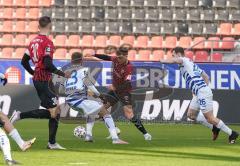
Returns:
(197, 80)
(6, 126)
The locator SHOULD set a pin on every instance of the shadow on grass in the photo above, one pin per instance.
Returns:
(169, 154)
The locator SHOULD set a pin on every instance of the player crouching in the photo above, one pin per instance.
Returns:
(76, 89)
(9, 128)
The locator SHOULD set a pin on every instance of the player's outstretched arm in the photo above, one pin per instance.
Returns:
(25, 63)
(172, 60)
(90, 86)
(97, 57)
(205, 77)
(52, 69)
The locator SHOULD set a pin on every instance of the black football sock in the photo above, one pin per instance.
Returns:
(37, 114)
(53, 126)
(138, 123)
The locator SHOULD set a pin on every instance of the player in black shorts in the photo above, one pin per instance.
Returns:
(120, 90)
(40, 52)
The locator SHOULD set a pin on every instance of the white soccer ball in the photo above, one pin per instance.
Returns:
(79, 132)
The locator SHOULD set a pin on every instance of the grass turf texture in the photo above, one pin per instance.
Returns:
(172, 145)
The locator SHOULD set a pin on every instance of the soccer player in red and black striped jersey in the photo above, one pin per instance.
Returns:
(120, 90)
(40, 52)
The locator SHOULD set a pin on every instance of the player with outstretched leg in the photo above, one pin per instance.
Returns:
(12, 132)
(120, 90)
(77, 88)
(197, 80)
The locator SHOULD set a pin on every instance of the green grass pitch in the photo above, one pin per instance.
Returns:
(172, 145)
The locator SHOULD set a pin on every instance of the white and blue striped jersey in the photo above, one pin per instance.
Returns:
(75, 83)
(192, 75)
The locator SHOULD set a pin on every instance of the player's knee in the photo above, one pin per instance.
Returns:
(4, 118)
(211, 119)
(191, 115)
(128, 114)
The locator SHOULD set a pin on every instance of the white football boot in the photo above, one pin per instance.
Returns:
(28, 144)
(119, 141)
(147, 137)
(55, 146)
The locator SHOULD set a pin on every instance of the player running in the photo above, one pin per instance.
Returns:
(40, 52)
(77, 88)
(120, 90)
(197, 80)
(9, 128)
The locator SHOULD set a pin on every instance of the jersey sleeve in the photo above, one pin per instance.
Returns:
(49, 49)
(129, 72)
(27, 52)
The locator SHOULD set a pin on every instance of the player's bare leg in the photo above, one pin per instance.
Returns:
(54, 111)
(199, 117)
(9, 128)
(111, 126)
(128, 112)
(6, 149)
(222, 126)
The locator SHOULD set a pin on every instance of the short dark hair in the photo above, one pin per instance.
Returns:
(44, 21)
(122, 51)
(77, 57)
(178, 50)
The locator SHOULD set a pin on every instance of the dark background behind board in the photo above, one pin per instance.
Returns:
(24, 98)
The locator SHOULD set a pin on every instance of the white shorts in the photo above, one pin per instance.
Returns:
(89, 107)
(203, 101)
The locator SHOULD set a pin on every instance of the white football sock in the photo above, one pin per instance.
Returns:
(111, 126)
(16, 137)
(224, 127)
(89, 125)
(5, 145)
(201, 119)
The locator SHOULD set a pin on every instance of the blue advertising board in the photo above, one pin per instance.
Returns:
(222, 76)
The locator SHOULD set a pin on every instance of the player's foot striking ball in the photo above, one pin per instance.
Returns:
(120, 90)
(77, 89)
(197, 80)
(40, 52)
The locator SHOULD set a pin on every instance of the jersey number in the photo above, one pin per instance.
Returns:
(34, 51)
(73, 79)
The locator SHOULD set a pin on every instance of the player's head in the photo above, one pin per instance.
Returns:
(178, 52)
(77, 58)
(45, 24)
(122, 54)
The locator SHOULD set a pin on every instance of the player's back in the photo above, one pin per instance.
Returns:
(38, 48)
(75, 84)
(192, 74)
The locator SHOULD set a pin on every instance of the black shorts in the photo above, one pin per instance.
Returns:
(47, 97)
(113, 97)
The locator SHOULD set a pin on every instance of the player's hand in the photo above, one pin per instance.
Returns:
(67, 74)
(4, 80)
(112, 88)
